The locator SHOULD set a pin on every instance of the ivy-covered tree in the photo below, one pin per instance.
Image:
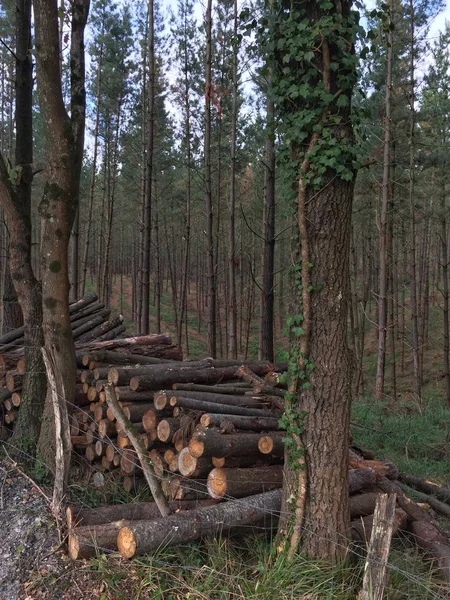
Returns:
(314, 78)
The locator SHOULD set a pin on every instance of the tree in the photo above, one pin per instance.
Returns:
(64, 138)
(314, 76)
(15, 197)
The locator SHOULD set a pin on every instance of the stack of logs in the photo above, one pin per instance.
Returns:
(212, 432)
(94, 330)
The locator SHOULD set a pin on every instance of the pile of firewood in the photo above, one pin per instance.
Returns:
(91, 322)
(211, 429)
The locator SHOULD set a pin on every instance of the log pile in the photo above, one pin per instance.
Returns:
(211, 429)
(98, 345)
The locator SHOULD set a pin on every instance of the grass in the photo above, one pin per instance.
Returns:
(417, 441)
(238, 569)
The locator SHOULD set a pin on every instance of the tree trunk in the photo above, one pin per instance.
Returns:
(145, 273)
(384, 225)
(212, 343)
(64, 138)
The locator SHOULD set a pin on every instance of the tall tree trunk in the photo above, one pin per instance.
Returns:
(17, 204)
(212, 343)
(64, 138)
(412, 185)
(145, 304)
(232, 335)
(267, 298)
(384, 225)
(315, 490)
(445, 294)
(93, 178)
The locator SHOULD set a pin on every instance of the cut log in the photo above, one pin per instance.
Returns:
(210, 443)
(101, 329)
(82, 303)
(232, 389)
(119, 358)
(362, 505)
(140, 537)
(166, 429)
(86, 542)
(237, 483)
(165, 377)
(180, 488)
(133, 511)
(272, 444)
(124, 394)
(90, 324)
(361, 479)
(239, 422)
(427, 487)
(135, 412)
(130, 342)
(440, 507)
(189, 466)
(113, 333)
(212, 407)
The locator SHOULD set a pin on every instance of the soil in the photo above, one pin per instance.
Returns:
(29, 535)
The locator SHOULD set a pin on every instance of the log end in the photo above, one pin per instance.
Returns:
(196, 448)
(126, 542)
(217, 484)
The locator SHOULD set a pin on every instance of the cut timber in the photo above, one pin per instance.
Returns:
(259, 385)
(438, 506)
(167, 376)
(133, 511)
(362, 505)
(143, 340)
(272, 444)
(189, 466)
(113, 334)
(145, 536)
(82, 303)
(126, 395)
(180, 488)
(119, 358)
(427, 487)
(237, 483)
(166, 429)
(212, 407)
(149, 420)
(239, 422)
(230, 388)
(380, 544)
(135, 412)
(210, 443)
(101, 329)
(86, 542)
(435, 542)
(361, 479)
(217, 398)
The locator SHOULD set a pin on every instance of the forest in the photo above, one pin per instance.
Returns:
(224, 283)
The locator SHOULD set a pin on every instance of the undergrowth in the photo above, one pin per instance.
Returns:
(238, 569)
(416, 439)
